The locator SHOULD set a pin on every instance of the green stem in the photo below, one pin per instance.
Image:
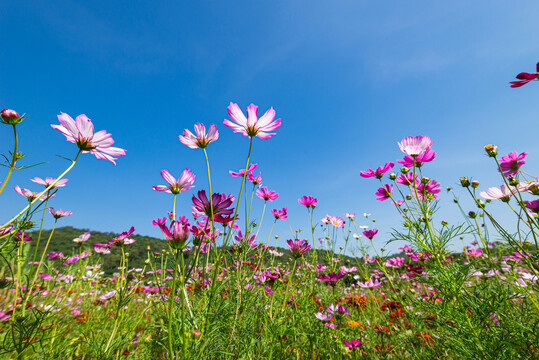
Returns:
(13, 159)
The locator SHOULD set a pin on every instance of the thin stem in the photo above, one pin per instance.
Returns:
(13, 159)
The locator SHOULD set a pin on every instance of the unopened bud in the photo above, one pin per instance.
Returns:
(10, 117)
(405, 170)
(408, 197)
(480, 204)
(512, 181)
(444, 223)
(491, 150)
(472, 215)
(392, 176)
(196, 333)
(425, 180)
(475, 184)
(464, 182)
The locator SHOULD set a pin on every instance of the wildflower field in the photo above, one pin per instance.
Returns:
(217, 287)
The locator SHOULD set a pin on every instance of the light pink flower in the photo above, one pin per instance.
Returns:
(59, 213)
(49, 181)
(30, 195)
(370, 284)
(266, 195)
(336, 221)
(82, 238)
(415, 145)
(350, 215)
(201, 139)
(184, 182)
(81, 132)
(503, 193)
(252, 126)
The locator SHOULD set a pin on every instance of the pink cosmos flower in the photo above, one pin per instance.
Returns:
(524, 78)
(6, 230)
(122, 238)
(221, 202)
(241, 172)
(81, 132)
(184, 182)
(533, 206)
(266, 195)
(336, 221)
(59, 213)
(427, 191)
(241, 238)
(379, 172)
(82, 238)
(55, 255)
(407, 179)
(177, 233)
(384, 192)
(352, 344)
(503, 193)
(474, 252)
(370, 284)
(323, 316)
(530, 186)
(201, 139)
(415, 145)
(298, 247)
(370, 233)
(22, 236)
(418, 160)
(30, 195)
(308, 201)
(49, 181)
(280, 214)
(395, 262)
(332, 277)
(511, 163)
(252, 126)
(256, 180)
(350, 215)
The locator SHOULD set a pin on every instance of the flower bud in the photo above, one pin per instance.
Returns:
(472, 215)
(491, 150)
(392, 176)
(444, 223)
(408, 197)
(196, 333)
(480, 204)
(512, 181)
(475, 184)
(425, 180)
(405, 170)
(10, 117)
(448, 188)
(464, 182)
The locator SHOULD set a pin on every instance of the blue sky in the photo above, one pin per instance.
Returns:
(349, 79)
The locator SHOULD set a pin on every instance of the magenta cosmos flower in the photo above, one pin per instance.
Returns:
(370, 233)
(352, 344)
(524, 78)
(379, 172)
(308, 201)
(49, 181)
(221, 202)
(280, 214)
(266, 195)
(252, 125)
(82, 238)
(428, 191)
(384, 192)
(418, 160)
(177, 233)
(256, 180)
(81, 132)
(298, 247)
(511, 163)
(415, 145)
(201, 139)
(184, 182)
(533, 206)
(241, 172)
(122, 239)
